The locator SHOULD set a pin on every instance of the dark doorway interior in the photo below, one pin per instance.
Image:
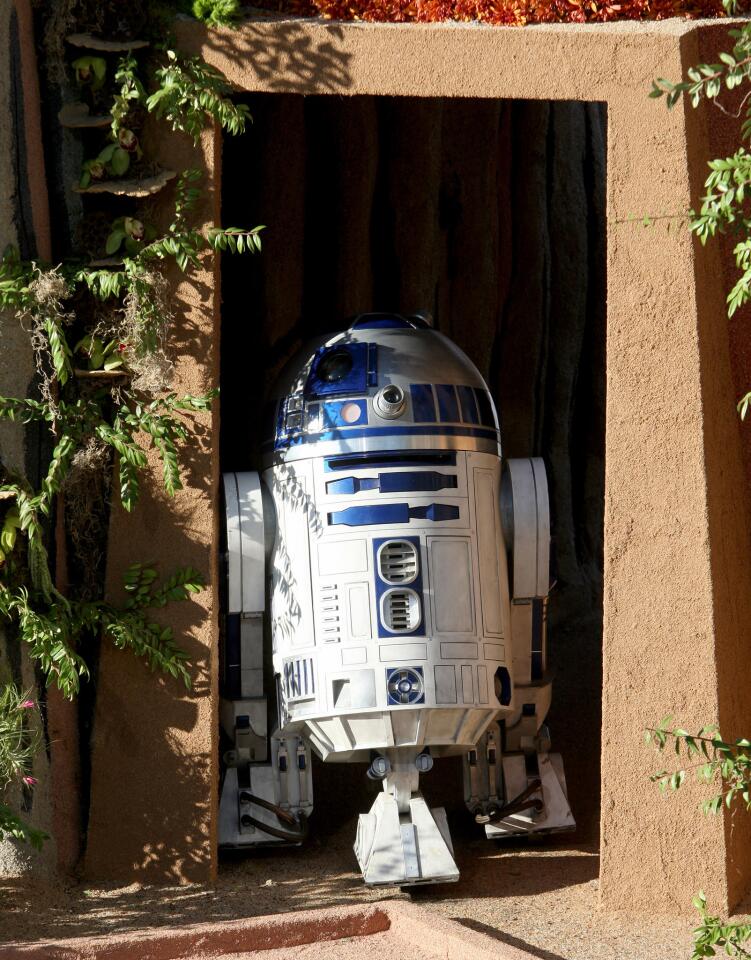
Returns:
(491, 215)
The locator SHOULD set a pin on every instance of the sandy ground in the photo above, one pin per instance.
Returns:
(541, 898)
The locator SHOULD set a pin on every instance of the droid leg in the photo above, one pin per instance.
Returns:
(519, 792)
(512, 783)
(401, 841)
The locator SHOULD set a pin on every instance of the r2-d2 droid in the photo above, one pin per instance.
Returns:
(404, 569)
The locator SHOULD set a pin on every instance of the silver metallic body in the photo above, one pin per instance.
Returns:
(408, 577)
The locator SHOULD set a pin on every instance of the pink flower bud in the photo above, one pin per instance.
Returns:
(30, 781)
(27, 705)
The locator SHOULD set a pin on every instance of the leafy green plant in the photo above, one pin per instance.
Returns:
(727, 766)
(713, 934)
(189, 92)
(129, 93)
(216, 13)
(725, 206)
(112, 161)
(53, 633)
(100, 355)
(19, 743)
(185, 244)
(130, 233)
(100, 337)
(11, 825)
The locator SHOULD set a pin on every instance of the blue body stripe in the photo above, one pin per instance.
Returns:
(357, 432)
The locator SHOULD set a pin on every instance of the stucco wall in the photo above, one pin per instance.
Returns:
(676, 588)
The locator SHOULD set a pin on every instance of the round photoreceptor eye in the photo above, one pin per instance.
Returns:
(389, 402)
(335, 366)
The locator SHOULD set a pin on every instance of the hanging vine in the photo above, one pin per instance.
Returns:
(99, 327)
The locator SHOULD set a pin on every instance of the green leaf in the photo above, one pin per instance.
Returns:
(120, 161)
(113, 241)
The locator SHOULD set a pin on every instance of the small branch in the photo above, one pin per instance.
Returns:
(733, 115)
(99, 374)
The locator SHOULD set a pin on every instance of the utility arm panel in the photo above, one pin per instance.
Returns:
(267, 792)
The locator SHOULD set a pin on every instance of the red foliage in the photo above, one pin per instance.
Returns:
(508, 12)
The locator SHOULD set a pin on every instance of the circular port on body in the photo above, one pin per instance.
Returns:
(351, 412)
(405, 686)
(389, 402)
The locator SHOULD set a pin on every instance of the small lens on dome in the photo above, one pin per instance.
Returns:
(335, 366)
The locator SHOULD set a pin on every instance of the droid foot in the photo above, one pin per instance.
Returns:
(403, 849)
(540, 807)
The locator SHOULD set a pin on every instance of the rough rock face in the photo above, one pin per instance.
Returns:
(491, 215)
(17, 448)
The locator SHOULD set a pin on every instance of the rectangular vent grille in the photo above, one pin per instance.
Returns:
(401, 611)
(299, 679)
(329, 614)
(398, 561)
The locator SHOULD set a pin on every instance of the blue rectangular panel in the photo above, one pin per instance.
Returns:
(231, 666)
(437, 512)
(351, 485)
(352, 380)
(372, 365)
(401, 482)
(448, 405)
(343, 413)
(423, 404)
(365, 516)
(468, 404)
(381, 587)
(414, 481)
(485, 406)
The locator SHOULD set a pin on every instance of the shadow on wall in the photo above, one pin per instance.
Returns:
(491, 214)
(289, 61)
(146, 724)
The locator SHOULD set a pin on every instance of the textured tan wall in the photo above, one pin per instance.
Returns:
(676, 596)
(154, 750)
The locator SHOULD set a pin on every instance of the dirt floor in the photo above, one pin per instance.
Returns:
(540, 898)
